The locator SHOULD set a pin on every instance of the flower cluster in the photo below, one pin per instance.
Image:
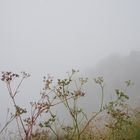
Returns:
(8, 76)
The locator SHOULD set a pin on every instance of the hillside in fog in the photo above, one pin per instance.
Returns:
(116, 69)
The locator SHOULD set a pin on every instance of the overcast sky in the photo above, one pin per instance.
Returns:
(54, 36)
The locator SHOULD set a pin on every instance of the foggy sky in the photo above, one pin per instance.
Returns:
(54, 36)
(57, 35)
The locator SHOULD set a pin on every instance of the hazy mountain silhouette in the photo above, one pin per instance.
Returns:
(116, 69)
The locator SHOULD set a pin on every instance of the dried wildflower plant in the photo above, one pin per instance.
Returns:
(67, 92)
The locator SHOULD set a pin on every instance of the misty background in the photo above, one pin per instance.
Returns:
(54, 36)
